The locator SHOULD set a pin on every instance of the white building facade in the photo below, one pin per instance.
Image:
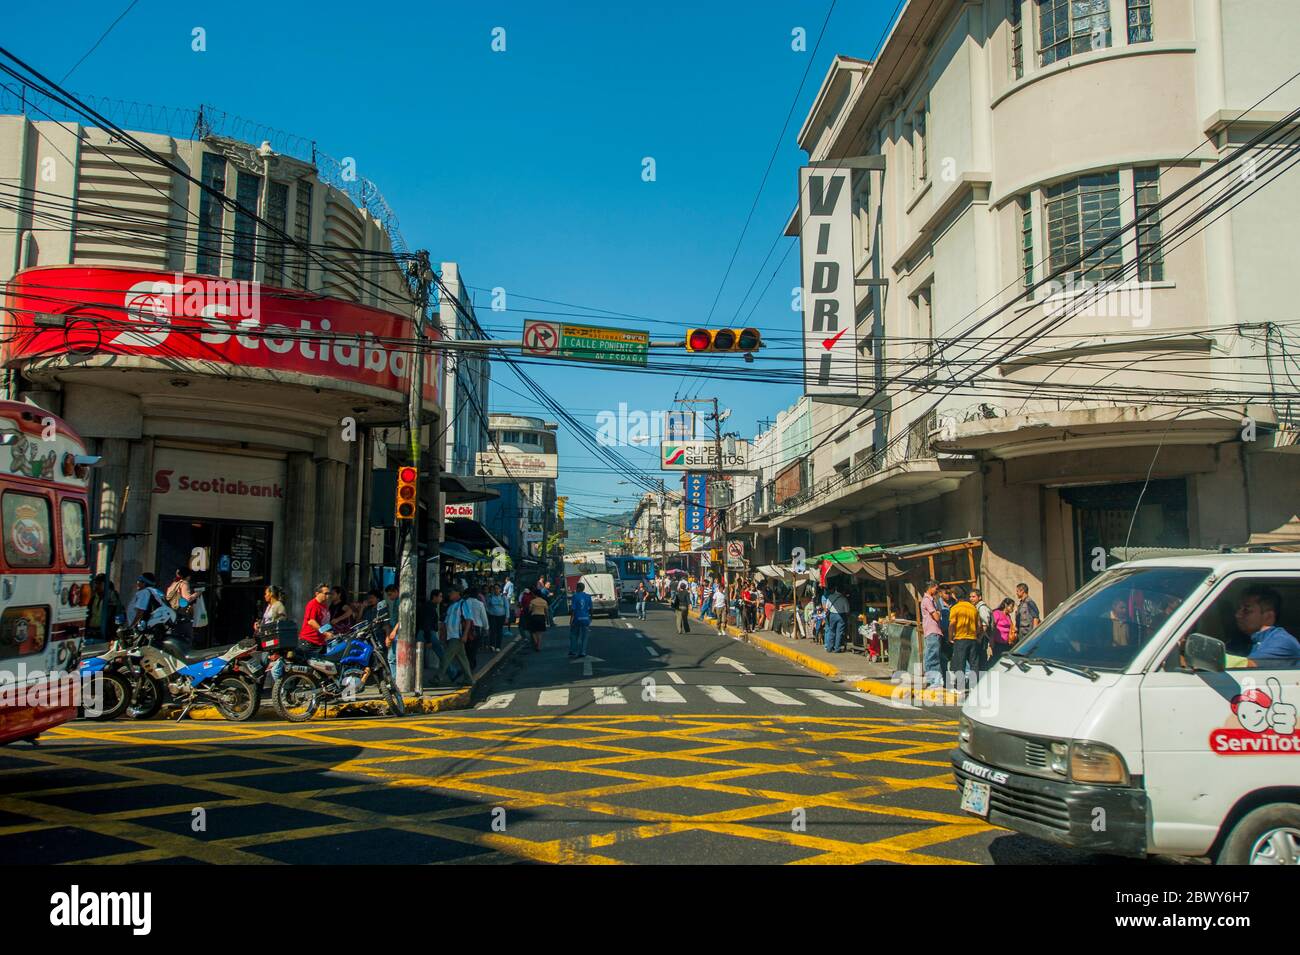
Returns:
(1141, 398)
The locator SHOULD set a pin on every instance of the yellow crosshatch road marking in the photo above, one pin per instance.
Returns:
(744, 772)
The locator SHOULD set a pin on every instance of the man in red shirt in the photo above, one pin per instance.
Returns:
(315, 616)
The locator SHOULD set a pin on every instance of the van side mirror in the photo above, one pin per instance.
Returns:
(1204, 653)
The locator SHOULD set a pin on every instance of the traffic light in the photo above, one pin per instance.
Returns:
(559, 507)
(723, 339)
(406, 478)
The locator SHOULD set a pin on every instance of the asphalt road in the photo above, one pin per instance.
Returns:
(671, 749)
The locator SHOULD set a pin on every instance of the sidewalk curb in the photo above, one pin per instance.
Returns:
(428, 702)
(895, 692)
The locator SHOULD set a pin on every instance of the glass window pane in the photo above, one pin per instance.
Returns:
(248, 189)
(28, 541)
(74, 533)
(211, 215)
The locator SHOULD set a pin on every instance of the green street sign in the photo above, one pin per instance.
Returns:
(618, 346)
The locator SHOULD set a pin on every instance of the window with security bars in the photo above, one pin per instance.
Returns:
(211, 215)
(1026, 239)
(1139, 21)
(248, 188)
(277, 213)
(1080, 213)
(1017, 39)
(1067, 27)
(1146, 197)
(302, 231)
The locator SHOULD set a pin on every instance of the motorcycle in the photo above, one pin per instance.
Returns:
(230, 681)
(149, 664)
(340, 673)
(126, 689)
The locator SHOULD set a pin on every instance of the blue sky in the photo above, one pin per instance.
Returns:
(524, 166)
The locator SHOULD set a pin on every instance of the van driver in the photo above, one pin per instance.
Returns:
(1271, 646)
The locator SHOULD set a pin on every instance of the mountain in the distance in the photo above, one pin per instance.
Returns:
(582, 529)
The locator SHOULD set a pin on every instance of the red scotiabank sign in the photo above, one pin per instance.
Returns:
(174, 316)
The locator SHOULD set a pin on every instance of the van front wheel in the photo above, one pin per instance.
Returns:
(1269, 835)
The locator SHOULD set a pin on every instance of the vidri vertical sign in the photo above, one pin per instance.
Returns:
(830, 347)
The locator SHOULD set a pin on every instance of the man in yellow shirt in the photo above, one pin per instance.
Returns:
(963, 627)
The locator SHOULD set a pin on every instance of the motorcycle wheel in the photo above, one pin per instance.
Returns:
(148, 698)
(388, 687)
(238, 699)
(116, 698)
(296, 697)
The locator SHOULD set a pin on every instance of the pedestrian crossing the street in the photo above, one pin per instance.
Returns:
(682, 693)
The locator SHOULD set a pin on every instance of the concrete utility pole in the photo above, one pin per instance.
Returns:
(717, 477)
(408, 579)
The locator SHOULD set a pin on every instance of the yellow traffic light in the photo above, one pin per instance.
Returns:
(723, 340)
(559, 507)
(406, 493)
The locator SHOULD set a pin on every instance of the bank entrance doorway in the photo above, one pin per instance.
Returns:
(1107, 516)
(230, 559)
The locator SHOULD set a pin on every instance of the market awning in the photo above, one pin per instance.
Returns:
(881, 562)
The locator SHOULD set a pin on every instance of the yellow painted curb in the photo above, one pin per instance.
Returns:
(455, 700)
(889, 691)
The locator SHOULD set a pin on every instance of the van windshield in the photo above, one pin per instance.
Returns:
(1106, 623)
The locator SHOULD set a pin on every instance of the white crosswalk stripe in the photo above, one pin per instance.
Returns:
(773, 695)
(720, 694)
(553, 698)
(667, 694)
(498, 702)
(674, 677)
(608, 694)
(892, 704)
(827, 697)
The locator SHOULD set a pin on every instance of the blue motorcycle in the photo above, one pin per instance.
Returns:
(339, 674)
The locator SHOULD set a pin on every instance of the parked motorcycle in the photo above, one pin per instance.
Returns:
(340, 673)
(125, 688)
(149, 664)
(230, 681)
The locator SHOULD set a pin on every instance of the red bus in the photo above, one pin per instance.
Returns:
(44, 568)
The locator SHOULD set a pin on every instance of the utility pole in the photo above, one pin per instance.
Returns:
(717, 477)
(408, 582)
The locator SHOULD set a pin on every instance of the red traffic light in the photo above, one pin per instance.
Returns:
(406, 494)
(699, 339)
(723, 339)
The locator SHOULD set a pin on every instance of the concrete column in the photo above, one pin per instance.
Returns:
(327, 542)
(111, 477)
(299, 538)
(136, 553)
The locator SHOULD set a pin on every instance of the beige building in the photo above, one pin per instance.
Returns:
(226, 373)
(1008, 138)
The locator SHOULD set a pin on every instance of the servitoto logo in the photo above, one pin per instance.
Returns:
(162, 484)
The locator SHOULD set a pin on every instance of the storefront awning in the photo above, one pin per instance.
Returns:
(464, 489)
(469, 533)
(460, 553)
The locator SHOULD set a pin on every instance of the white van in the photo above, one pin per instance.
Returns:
(1143, 718)
(604, 595)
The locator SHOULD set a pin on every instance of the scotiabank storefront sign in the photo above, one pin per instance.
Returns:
(170, 316)
(206, 484)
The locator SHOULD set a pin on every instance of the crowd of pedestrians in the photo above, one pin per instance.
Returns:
(962, 635)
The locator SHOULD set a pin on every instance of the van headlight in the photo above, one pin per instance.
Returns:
(963, 730)
(1097, 763)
